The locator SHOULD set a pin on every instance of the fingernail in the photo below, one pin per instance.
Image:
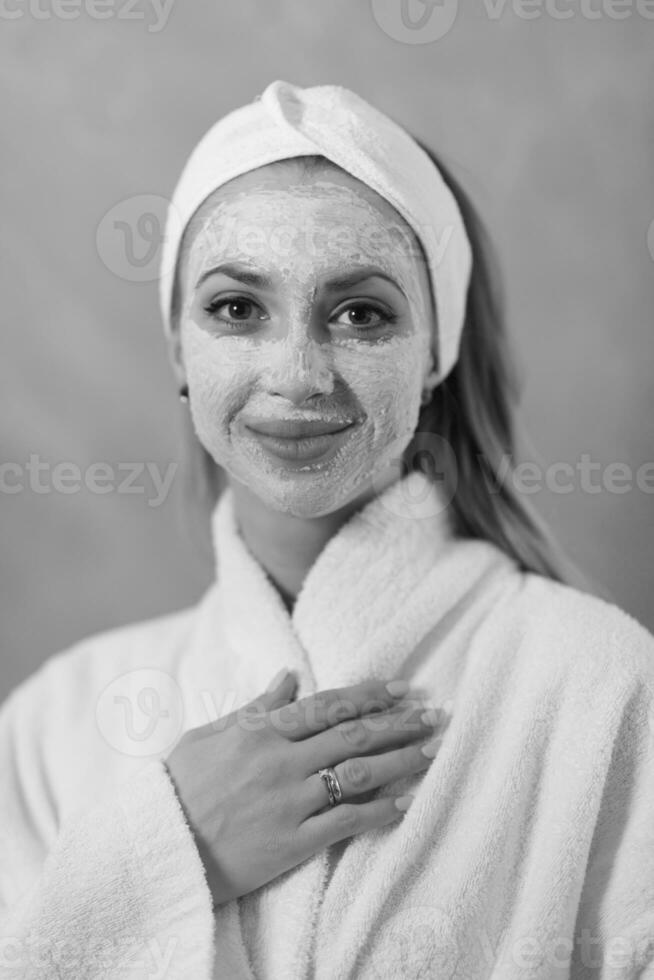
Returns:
(429, 749)
(403, 802)
(277, 680)
(397, 688)
(430, 717)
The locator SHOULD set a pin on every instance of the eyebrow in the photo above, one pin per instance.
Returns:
(261, 280)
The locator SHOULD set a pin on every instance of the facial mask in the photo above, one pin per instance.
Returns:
(298, 363)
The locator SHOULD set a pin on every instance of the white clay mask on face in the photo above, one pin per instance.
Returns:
(293, 347)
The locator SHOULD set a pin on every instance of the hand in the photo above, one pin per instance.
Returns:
(249, 786)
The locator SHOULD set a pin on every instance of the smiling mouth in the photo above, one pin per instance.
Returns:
(308, 444)
(297, 428)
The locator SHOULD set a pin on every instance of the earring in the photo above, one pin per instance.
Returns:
(425, 398)
(183, 393)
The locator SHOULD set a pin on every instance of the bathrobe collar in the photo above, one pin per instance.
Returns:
(386, 579)
(379, 588)
(356, 613)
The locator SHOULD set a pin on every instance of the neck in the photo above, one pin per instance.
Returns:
(287, 546)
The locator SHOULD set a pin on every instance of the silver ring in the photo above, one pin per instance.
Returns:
(330, 780)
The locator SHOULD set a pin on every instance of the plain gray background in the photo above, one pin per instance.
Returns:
(547, 121)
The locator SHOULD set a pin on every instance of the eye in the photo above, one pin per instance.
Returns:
(241, 309)
(358, 317)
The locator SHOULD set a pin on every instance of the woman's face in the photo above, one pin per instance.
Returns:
(271, 334)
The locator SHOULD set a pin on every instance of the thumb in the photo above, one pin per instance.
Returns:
(281, 689)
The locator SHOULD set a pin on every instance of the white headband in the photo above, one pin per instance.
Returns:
(288, 121)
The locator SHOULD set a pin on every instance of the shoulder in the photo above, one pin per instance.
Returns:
(582, 633)
(93, 712)
(74, 675)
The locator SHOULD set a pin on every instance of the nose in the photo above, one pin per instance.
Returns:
(299, 371)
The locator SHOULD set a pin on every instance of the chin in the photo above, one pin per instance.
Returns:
(304, 504)
(316, 495)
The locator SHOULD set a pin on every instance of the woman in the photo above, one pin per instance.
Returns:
(335, 334)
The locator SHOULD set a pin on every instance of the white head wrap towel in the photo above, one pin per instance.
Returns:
(289, 121)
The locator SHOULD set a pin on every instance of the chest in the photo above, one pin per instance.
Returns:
(448, 891)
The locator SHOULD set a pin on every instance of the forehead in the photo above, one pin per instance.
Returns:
(327, 192)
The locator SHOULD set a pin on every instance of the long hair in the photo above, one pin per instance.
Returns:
(471, 414)
(474, 412)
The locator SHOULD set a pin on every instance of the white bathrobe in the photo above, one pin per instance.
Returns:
(528, 851)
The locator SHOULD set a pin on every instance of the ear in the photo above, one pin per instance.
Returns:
(432, 378)
(176, 355)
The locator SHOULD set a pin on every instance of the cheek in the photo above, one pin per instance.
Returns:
(220, 375)
(387, 382)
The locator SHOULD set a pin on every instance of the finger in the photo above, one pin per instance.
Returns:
(346, 820)
(316, 712)
(361, 736)
(363, 774)
(279, 692)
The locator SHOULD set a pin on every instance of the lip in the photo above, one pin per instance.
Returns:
(318, 447)
(295, 429)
